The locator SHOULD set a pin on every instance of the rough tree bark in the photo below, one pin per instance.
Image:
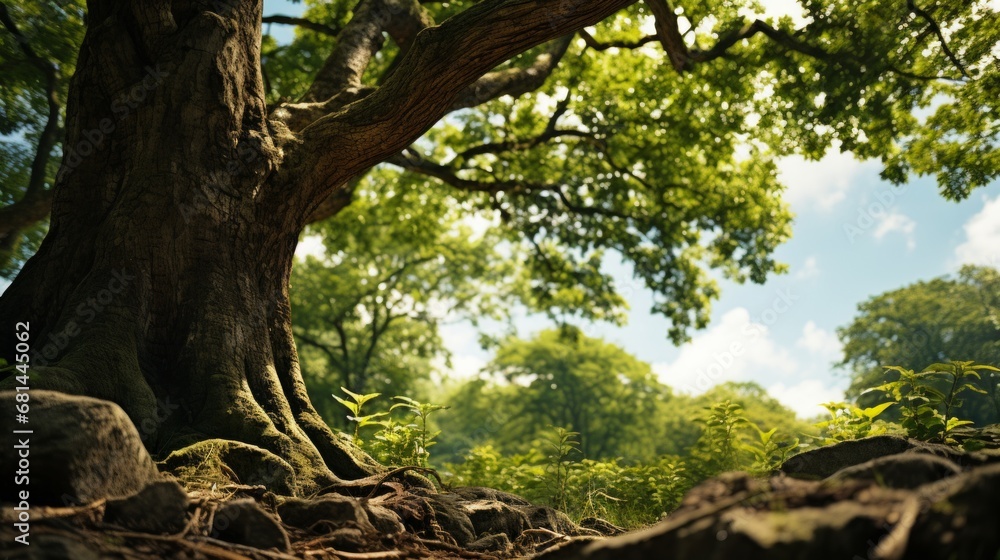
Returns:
(163, 281)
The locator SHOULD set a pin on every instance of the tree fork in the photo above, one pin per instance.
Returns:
(164, 276)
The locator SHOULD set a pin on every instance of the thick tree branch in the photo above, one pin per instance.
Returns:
(669, 34)
(682, 58)
(356, 44)
(605, 45)
(300, 115)
(408, 19)
(301, 22)
(441, 64)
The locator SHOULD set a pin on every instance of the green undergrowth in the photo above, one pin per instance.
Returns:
(630, 494)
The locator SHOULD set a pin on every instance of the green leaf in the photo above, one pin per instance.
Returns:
(874, 411)
(352, 406)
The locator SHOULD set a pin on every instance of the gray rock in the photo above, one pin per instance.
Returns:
(843, 530)
(472, 493)
(384, 520)
(495, 518)
(601, 526)
(490, 543)
(244, 522)
(82, 449)
(823, 462)
(219, 459)
(959, 518)
(544, 517)
(158, 508)
(331, 511)
(849, 515)
(905, 470)
(451, 516)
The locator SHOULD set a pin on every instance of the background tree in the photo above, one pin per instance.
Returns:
(679, 419)
(36, 75)
(186, 180)
(400, 262)
(564, 378)
(947, 318)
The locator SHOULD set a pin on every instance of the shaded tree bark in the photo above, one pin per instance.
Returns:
(164, 277)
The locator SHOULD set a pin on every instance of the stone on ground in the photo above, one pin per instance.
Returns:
(82, 449)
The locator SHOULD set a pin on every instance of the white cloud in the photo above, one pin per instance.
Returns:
(810, 269)
(311, 245)
(733, 349)
(823, 345)
(818, 185)
(982, 236)
(737, 349)
(463, 366)
(805, 397)
(897, 222)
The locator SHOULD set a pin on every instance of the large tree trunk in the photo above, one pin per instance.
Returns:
(163, 282)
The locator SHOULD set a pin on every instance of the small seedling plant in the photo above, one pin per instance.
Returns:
(355, 403)
(730, 441)
(424, 439)
(396, 443)
(927, 410)
(562, 444)
(768, 450)
(848, 421)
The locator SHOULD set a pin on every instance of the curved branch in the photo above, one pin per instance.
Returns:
(301, 22)
(550, 133)
(442, 63)
(669, 34)
(356, 45)
(593, 43)
(448, 176)
(937, 31)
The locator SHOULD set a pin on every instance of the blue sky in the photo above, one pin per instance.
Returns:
(854, 236)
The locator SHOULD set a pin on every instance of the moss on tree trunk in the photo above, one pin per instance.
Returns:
(163, 283)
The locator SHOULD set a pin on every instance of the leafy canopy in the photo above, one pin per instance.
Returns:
(652, 135)
(618, 152)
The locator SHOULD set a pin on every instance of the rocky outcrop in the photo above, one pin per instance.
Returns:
(158, 508)
(246, 523)
(80, 450)
(233, 461)
(883, 498)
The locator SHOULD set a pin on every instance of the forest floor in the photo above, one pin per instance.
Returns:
(884, 497)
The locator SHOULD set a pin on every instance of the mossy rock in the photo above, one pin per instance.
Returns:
(823, 462)
(82, 449)
(221, 461)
